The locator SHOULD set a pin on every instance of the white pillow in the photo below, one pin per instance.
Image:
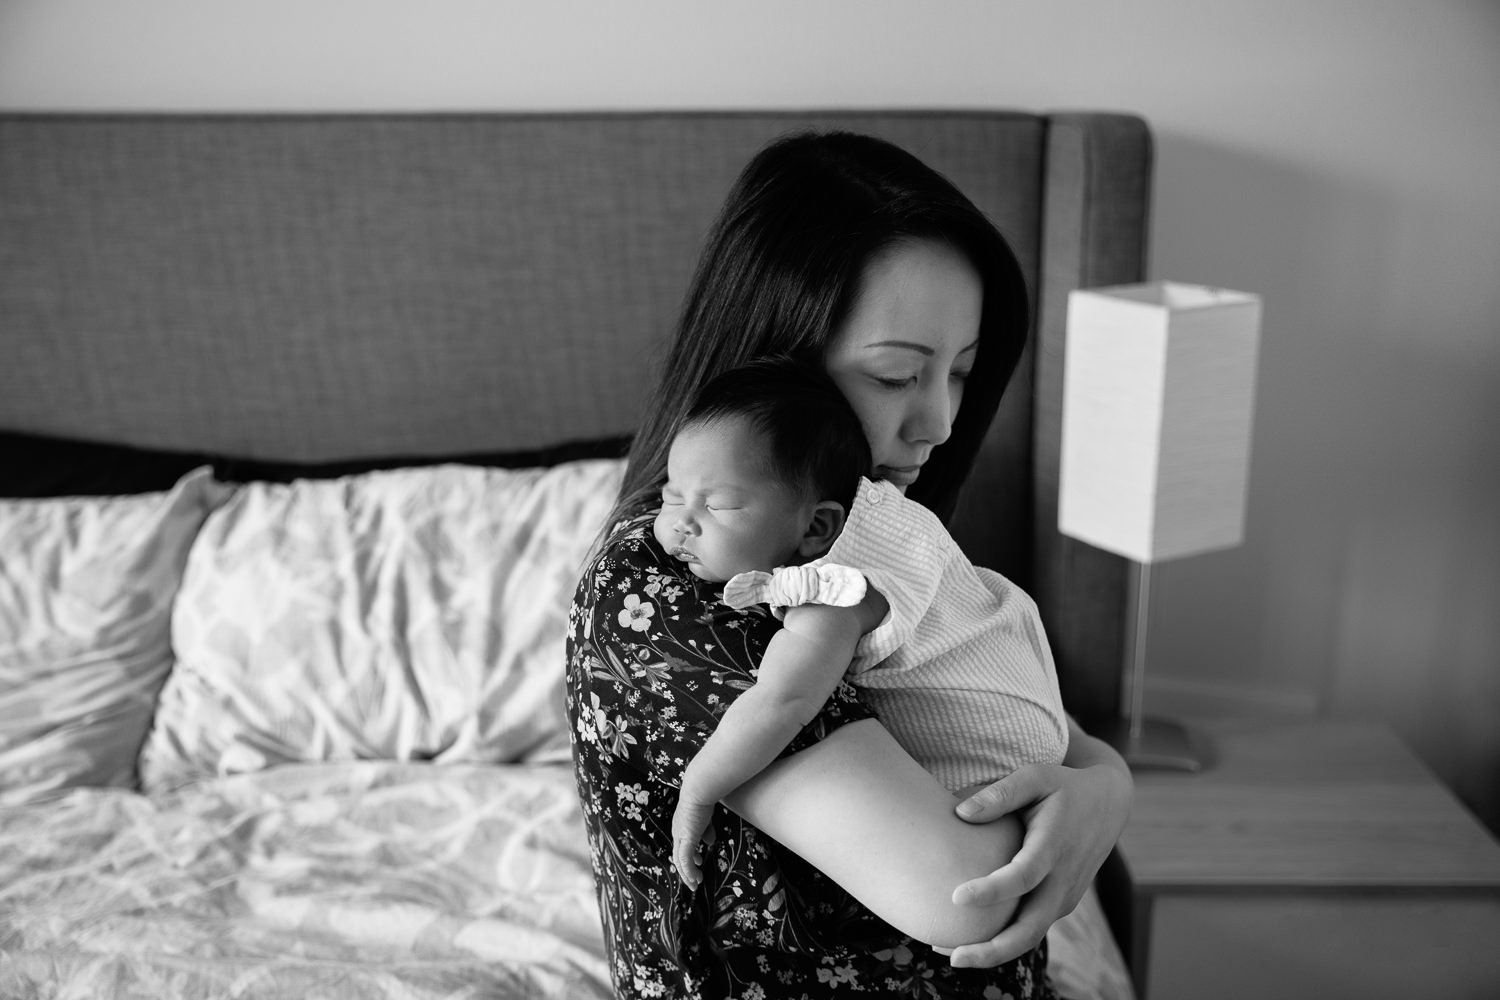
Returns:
(415, 614)
(86, 590)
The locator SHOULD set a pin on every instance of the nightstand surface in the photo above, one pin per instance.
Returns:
(1304, 804)
(1308, 859)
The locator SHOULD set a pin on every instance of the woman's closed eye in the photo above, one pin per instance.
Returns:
(898, 383)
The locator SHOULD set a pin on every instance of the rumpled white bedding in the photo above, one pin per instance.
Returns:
(328, 880)
(336, 881)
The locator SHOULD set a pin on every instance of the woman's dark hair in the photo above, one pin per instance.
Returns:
(815, 442)
(782, 267)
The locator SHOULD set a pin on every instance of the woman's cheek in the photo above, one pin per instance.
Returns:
(874, 415)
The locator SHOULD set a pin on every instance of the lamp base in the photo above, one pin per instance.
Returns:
(1160, 744)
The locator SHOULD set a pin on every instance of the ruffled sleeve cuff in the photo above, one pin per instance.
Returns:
(789, 586)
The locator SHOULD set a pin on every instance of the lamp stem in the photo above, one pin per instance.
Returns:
(1141, 598)
(1154, 743)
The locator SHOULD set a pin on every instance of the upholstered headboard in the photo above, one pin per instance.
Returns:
(324, 289)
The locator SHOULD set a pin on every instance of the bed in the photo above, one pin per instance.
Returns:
(306, 422)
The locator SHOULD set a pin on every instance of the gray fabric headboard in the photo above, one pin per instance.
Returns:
(319, 288)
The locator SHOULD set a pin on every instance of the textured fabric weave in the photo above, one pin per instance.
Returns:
(959, 671)
(324, 287)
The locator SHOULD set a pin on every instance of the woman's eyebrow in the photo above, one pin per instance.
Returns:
(922, 349)
(908, 345)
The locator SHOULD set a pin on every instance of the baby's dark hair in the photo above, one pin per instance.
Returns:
(816, 441)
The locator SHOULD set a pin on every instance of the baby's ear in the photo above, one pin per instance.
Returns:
(822, 529)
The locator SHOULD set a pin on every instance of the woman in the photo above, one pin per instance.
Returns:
(836, 867)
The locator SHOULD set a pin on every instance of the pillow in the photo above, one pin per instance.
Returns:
(86, 590)
(413, 614)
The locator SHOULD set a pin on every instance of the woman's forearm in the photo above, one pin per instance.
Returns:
(859, 808)
(1090, 751)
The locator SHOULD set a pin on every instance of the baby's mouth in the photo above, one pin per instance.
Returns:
(683, 554)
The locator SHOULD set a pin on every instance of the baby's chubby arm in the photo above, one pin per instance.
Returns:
(801, 668)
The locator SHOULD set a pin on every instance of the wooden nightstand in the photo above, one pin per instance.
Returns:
(1310, 859)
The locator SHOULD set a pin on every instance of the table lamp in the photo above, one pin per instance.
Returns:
(1158, 395)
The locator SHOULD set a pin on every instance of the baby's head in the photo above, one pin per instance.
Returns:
(762, 471)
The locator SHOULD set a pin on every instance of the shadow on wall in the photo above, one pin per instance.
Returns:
(1370, 571)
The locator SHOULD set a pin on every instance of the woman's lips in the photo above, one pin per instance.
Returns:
(900, 475)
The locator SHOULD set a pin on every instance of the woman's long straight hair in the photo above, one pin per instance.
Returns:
(782, 267)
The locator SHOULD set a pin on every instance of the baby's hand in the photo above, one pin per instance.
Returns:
(688, 823)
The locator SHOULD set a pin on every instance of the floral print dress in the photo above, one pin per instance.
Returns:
(654, 658)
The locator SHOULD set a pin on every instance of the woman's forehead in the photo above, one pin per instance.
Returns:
(924, 298)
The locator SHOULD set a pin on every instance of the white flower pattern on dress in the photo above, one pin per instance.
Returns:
(637, 613)
(647, 679)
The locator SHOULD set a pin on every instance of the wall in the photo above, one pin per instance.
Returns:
(1338, 157)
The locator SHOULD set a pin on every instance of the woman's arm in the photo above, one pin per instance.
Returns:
(859, 808)
(1074, 814)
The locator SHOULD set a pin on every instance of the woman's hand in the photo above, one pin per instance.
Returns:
(1073, 815)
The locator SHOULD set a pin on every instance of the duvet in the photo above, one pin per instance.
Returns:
(328, 880)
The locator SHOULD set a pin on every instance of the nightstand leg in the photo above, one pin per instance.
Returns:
(1140, 942)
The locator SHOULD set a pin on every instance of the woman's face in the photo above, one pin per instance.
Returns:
(903, 353)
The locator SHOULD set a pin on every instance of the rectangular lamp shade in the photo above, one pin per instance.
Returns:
(1158, 397)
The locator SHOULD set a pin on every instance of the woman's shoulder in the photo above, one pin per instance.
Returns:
(631, 527)
(628, 542)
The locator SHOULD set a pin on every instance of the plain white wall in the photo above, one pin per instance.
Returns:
(1339, 157)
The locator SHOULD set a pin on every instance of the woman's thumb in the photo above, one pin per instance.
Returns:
(990, 802)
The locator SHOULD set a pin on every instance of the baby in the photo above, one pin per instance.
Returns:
(766, 492)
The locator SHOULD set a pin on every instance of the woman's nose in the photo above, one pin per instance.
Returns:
(931, 418)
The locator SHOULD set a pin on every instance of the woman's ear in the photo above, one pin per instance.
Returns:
(822, 528)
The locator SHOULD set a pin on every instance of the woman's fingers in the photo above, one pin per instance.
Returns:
(1020, 788)
(1034, 861)
(1023, 934)
(1037, 912)
(1024, 873)
(1073, 816)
